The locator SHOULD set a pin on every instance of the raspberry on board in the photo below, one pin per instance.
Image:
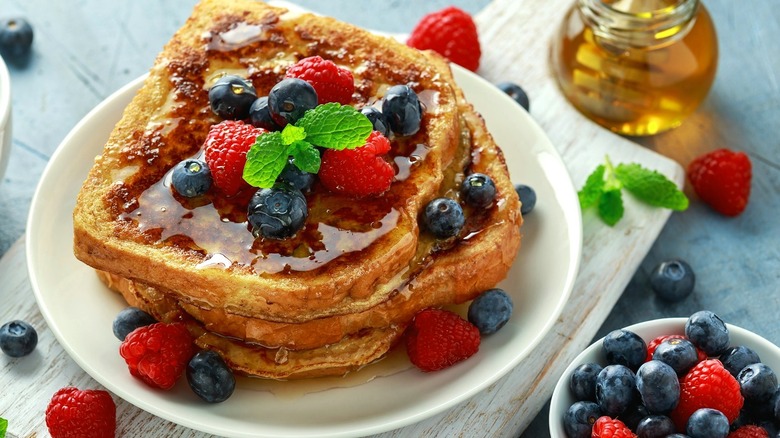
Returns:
(75, 413)
(226, 146)
(331, 82)
(438, 339)
(749, 431)
(450, 32)
(607, 427)
(721, 179)
(707, 385)
(359, 172)
(158, 354)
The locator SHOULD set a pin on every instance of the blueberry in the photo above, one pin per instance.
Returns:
(579, 419)
(377, 119)
(478, 190)
(655, 426)
(775, 404)
(191, 178)
(18, 338)
(231, 97)
(680, 354)
(16, 37)
(708, 332)
(278, 212)
(634, 414)
(490, 311)
(677, 435)
(736, 358)
(444, 217)
(517, 93)
(260, 115)
(757, 383)
(289, 99)
(615, 389)
(209, 377)
(625, 348)
(583, 381)
(672, 280)
(403, 111)
(527, 197)
(658, 386)
(296, 177)
(129, 319)
(707, 423)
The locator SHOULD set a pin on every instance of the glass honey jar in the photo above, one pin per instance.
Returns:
(636, 67)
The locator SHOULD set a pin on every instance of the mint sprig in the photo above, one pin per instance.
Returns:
(603, 189)
(3, 427)
(331, 126)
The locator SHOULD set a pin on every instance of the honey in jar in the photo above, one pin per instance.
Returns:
(636, 67)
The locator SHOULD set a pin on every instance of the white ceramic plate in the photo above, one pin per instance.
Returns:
(79, 309)
(5, 117)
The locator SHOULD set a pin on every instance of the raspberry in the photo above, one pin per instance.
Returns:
(451, 33)
(331, 82)
(73, 413)
(607, 427)
(158, 353)
(657, 341)
(358, 172)
(721, 178)
(438, 339)
(226, 146)
(707, 385)
(749, 431)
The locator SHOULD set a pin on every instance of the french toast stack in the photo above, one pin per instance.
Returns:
(339, 294)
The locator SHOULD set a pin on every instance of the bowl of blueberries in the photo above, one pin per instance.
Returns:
(695, 377)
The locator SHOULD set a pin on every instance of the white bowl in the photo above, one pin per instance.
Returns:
(5, 117)
(562, 397)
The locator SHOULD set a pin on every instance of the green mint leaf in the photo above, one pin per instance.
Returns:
(590, 193)
(611, 206)
(305, 156)
(3, 427)
(335, 126)
(291, 134)
(266, 160)
(651, 187)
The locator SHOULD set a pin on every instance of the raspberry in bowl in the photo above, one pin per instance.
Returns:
(664, 392)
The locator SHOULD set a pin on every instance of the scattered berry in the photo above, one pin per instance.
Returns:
(277, 213)
(708, 332)
(450, 32)
(129, 319)
(583, 381)
(749, 431)
(444, 217)
(607, 427)
(680, 354)
(658, 386)
(672, 280)
(191, 178)
(478, 190)
(331, 82)
(358, 172)
(209, 377)
(736, 358)
(16, 37)
(18, 338)
(615, 389)
(226, 146)
(437, 339)
(289, 99)
(378, 120)
(296, 177)
(75, 413)
(527, 197)
(490, 311)
(721, 178)
(516, 93)
(707, 385)
(158, 353)
(707, 423)
(579, 419)
(260, 115)
(402, 109)
(758, 383)
(231, 97)
(624, 347)
(655, 426)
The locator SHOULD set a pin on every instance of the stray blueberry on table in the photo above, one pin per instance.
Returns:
(490, 311)
(277, 213)
(18, 338)
(378, 120)
(707, 423)
(738, 357)
(402, 109)
(673, 280)
(680, 354)
(615, 389)
(579, 419)
(231, 97)
(583, 381)
(209, 377)
(16, 37)
(527, 197)
(757, 382)
(516, 93)
(658, 386)
(655, 426)
(289, 99)
(444, 217)
(129, 319)
(625, 347)
(260, 115)
(478, 190)
(708, 332)
(191, 178)
(296, 177)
